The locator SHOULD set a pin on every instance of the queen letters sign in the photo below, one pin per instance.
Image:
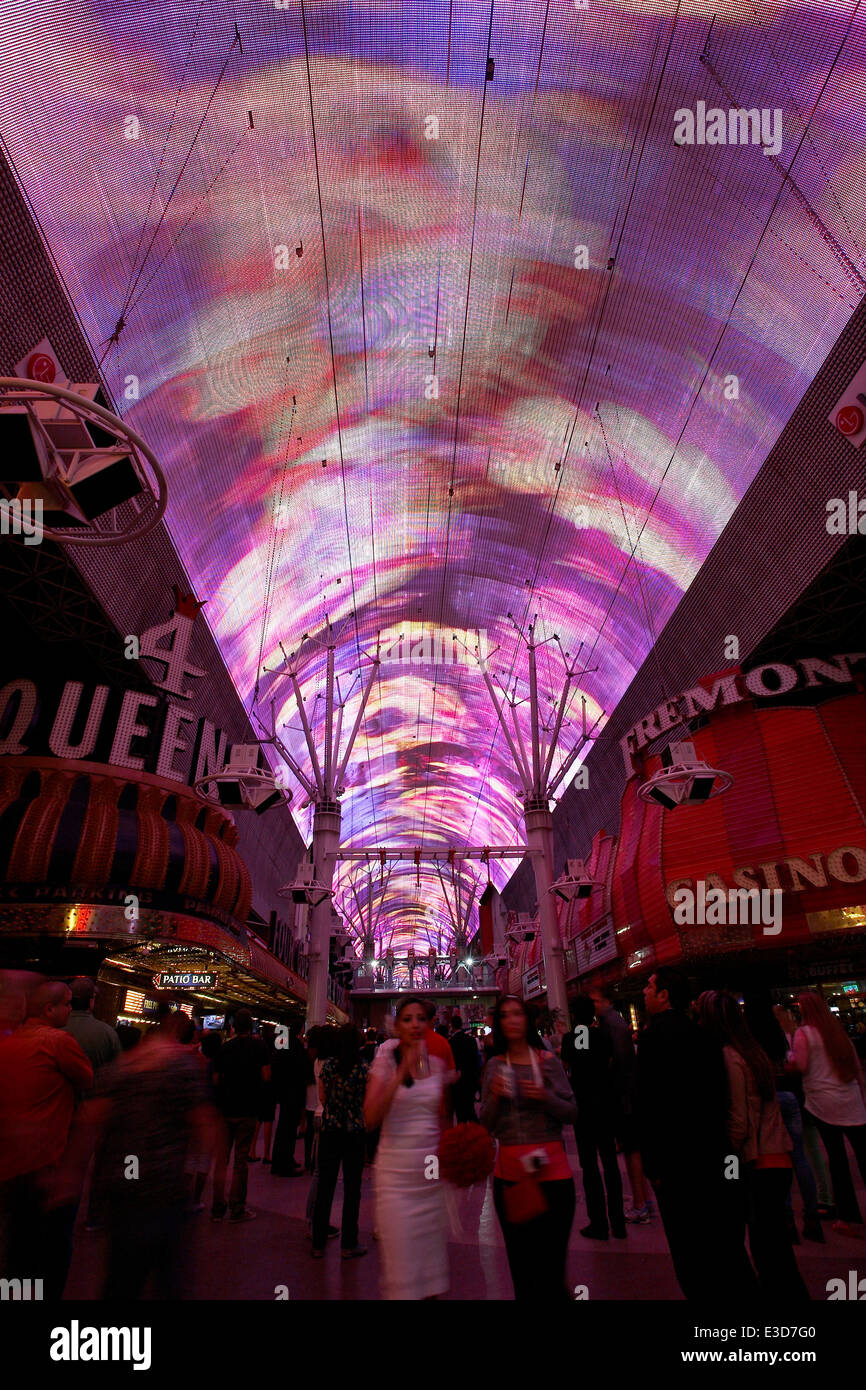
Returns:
(121, 728)
(130, 728)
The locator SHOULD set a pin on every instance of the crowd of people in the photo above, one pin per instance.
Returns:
(715, 1105)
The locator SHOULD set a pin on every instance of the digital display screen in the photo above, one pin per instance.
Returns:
(538, 341)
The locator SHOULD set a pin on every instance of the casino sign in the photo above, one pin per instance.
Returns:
(792, 822)
(766, 682)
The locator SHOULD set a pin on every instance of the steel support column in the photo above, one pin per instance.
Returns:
(534, 754)
(326, 838)
(539, 836)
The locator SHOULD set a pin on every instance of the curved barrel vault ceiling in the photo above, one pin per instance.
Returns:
(582, 446)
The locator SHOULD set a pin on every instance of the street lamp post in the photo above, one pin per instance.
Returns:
(533, 758)
(324, 789)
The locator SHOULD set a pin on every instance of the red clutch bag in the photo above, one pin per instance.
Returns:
(524, 1201)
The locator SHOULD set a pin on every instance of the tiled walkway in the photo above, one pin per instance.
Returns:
(249, 1261)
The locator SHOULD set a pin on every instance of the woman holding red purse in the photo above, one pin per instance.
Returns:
(525, 1100)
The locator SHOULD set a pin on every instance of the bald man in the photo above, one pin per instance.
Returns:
(42, 1068)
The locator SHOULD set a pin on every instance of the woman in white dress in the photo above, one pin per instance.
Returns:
(406, 1095)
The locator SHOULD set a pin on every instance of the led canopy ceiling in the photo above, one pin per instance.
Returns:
(440, 310)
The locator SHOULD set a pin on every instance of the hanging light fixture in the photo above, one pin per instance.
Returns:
(305, 891)
(243, 784)
(684, 779)
(576, 882)
(524, 928)
(75, 463)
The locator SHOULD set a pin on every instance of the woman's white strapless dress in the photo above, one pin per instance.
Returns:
(411, 1217)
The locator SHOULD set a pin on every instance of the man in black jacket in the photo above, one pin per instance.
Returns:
(682, 1114)
(468, 1064)
(588, 1058)
(623, 1075)
(292, 1073)
(240, 1071)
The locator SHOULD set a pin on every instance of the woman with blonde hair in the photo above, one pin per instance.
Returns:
(834, 1094)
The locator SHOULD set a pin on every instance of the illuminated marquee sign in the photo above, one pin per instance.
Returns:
(792, 875)
(533, 981)
(766, 682)
(137, 1003)
(132, 728)
(185, 979)
(595, 946)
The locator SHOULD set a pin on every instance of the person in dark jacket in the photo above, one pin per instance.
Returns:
(623, 1080)
(342, 1084)
(588, 1058)
(289, 1078)
(682, 1126)
(467, 1062)
(240, 1071)
(267, 1102)
(759, 1139)
(154, 1105)
(97, 1040)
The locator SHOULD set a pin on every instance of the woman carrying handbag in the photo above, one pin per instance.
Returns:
(526, 1099)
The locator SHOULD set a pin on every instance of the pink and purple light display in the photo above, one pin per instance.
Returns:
(537, 357)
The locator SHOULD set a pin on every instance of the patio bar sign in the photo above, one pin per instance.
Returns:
(185, 979)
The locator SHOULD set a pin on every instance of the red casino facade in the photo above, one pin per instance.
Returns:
(792, 823)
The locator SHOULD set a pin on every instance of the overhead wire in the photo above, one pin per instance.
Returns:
(812, 145)
(460, 378)
(162, 155)
(595, 316)
(125, 307)
(330, 324)
(711, 357)
(598, 318)
(508, 306)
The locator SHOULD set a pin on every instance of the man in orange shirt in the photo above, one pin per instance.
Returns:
(41, 1069)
